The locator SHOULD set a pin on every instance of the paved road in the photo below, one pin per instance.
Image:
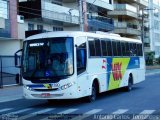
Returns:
(143, 99)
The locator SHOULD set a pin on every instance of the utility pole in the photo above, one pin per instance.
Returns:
(1, 73)
(81, 16)
(142, 33)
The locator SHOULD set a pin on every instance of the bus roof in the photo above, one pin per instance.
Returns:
(79, 33)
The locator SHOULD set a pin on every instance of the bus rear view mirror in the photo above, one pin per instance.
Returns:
(17, 58)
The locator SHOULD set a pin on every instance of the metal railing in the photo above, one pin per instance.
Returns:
(60, 17)
(98, 22)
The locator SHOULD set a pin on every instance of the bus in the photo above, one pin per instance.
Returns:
(73, 64)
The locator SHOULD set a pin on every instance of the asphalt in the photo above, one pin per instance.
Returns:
(15, 92)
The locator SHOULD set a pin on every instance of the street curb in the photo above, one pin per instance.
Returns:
(149, 74)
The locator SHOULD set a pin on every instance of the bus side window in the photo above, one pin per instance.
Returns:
(81, 60)
(139, 50)
(109, 47)
(123, 49)
(127, 49)
(114, 47)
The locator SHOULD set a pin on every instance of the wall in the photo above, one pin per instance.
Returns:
(21, 31)
(7, 51)
(9, 47)
(60, 9)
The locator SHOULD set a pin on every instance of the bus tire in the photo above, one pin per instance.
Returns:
(130, 83)
(93, 95)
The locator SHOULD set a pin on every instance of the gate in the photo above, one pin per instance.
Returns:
(9, 74)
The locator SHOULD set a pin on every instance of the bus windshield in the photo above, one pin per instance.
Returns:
(48, 57)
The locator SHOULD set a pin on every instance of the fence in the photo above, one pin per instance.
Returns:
(9, 74)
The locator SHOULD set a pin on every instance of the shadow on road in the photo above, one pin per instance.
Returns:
(106, 96)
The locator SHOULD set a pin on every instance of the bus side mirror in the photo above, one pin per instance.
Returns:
(17, 58)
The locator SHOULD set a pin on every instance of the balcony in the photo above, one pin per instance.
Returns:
(101, 3)
(59, 13)
(126, 28)
(48, 11)
(124, 9)
(100, 23)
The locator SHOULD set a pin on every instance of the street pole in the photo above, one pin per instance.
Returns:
(1, 82)
(81, 20)
(142, 33)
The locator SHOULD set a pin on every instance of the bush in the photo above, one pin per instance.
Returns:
(149, 57)
(158, 60)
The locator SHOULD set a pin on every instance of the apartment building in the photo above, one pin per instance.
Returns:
(153, 44)
(97, 15)
(56, 15)
(8, 27)
(127, 17)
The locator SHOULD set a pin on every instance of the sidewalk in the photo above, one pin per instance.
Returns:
(16, 92)
(152, 67)
(152, 71)
(11, 93)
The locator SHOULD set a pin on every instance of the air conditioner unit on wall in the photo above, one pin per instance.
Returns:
(2, 23)
(20, 19)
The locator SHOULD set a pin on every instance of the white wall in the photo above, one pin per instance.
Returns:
(21, 31)
(9, 47)
(48, 27)
(60, 9)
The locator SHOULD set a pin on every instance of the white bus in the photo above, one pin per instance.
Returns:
(70, 65)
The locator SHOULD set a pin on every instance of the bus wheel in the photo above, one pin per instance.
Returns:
(130, 83)
(93, 95)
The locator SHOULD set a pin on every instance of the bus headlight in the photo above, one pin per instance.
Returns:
(67, 85)
(28, 88)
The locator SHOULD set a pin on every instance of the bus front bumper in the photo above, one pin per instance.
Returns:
(70, 93)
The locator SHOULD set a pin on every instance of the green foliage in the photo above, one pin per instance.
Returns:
(149, 57)
(158, 60)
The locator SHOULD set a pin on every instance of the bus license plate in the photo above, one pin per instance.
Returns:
(45, 94)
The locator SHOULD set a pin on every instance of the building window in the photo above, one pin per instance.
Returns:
(30, 26)
(39, 27)
(120, 19)
(57, 28)
(92, 50)
(4, 12)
